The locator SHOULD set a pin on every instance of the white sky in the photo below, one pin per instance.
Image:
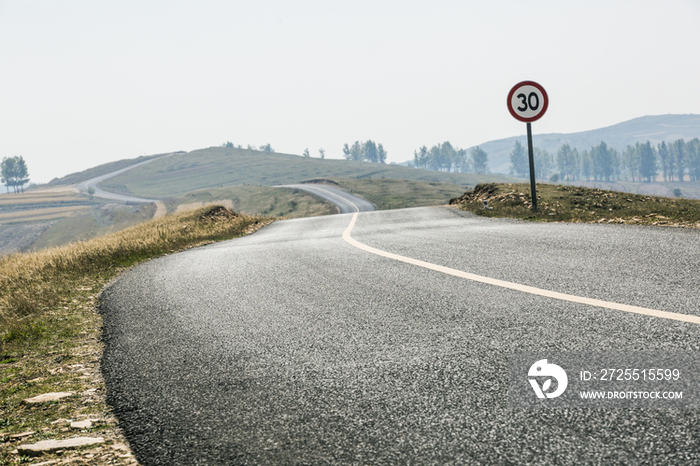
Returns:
(85, 82)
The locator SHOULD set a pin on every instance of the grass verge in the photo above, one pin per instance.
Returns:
(50, 330)
(557, 203)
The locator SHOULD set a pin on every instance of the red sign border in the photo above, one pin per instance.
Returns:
(544, 105)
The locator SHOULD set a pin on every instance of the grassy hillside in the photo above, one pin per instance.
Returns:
(75, 178)
(258, 200)
(218, 167)
(652, 128)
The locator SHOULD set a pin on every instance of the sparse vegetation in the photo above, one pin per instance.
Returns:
(398, 194)
(575, 204)
(263, 200)
(49, 329)
(34, 282)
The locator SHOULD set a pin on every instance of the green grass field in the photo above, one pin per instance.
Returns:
(217, 167)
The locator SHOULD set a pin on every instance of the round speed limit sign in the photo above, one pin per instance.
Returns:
(527, 101)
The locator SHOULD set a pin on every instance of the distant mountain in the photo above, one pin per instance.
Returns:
(648, 128)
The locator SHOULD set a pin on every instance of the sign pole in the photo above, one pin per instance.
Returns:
(533, 189)
(527, 101)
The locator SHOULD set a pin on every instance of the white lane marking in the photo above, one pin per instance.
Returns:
(517, 286)
(339, 197)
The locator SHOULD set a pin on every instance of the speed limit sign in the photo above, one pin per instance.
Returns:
(527, 101)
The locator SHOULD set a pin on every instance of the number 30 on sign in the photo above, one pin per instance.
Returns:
(527, 101)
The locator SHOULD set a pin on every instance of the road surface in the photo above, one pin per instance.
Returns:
(295, 345)
(346, 202)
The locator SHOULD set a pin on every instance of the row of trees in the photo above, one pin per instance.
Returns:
(265, 148)
(445, 157)
(13, 172)
(638, 162)
(368, 151)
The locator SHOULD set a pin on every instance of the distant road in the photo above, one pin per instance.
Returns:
(92, 183)
(346, 202)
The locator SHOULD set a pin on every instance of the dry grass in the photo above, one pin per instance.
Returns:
(31, 283)
(50, 330)
(558, 203)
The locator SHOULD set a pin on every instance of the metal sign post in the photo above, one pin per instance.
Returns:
(527, 102)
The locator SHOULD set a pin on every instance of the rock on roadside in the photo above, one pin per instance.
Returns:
(48, 446)
(48, 397)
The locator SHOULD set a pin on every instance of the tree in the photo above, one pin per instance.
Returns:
(519, 164)
(381, 154)
(662, 151)
(543, 163)
(13, 172)
(480, 160)
(693, 149)
(420, 158)
(322, 153)
(463, 164)
(442, 157)
(306, 152)
(603, 162)
(586, 165)
(267, 148)
(353, 152)
(678, 155)
(630, 162)
(368, 150)
(647, 161)
(563, 155)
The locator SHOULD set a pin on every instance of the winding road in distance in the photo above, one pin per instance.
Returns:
(93, 182)
(383, 338)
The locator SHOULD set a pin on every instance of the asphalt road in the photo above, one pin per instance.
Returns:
(292, 346)
(92, 183)
(346, 202)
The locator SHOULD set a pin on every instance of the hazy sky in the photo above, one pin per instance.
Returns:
(88, 82)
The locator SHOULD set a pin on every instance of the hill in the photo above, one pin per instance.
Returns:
(214, 167)
(75, 178)
(648, 128)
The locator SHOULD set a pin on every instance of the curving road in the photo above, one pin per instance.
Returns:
(93, 182)
(346, 202)
(301, 344)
